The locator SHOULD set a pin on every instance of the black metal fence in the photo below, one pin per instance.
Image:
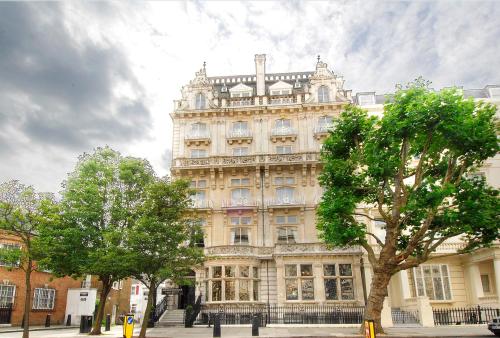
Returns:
(274, 314)
(404, 317)
(5, 313)
(458, 316)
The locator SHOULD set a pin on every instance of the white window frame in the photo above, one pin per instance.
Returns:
(200, 101)
(285, 194)
(199, 153)
(422, 277)
(283, 150)
(238, 234)
(241, 151)
(290, 235)
(7, 296)
(323, 94)
(43, 301)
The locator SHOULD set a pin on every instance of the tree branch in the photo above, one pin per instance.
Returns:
(379, 242)
(371, 254)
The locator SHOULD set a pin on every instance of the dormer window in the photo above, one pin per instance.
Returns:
(223, 89)
(323, 94)
(494, 92)
(297, 84)
(366, 99)
(200, 101)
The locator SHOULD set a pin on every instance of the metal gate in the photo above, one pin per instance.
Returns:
(5, 314)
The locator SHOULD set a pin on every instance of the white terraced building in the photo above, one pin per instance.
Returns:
(250, 146)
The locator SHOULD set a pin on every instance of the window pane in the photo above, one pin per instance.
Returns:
(246, 220)
(307, 289)
(229, 271)
(244, 271)
(447, 289)
(244, 290)
(235, 221)
(216, 291)
(255, 272)
(290, 180)
(255, 290)
(345, 269)
(202, 184)
(306, 270)
(217, 271)
(229, 292)
(292, 220)
(331, 289)
(291, 270)
(292, 291)
(485, 281)
(329, 269)
(346, 288)
(278, 180)
(245, 181)
(235, 182)
(280, 219)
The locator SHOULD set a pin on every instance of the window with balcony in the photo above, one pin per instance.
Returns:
(338, 277)
(240, 151)
(287, 235)
(198, 153)
(198, 131)
(432, 281)
(283, 124)
(283, 150)
(44, 299)
(240, 236)
(7, 293)
(299, 282)
(323, 94)
(285, 195)
(240, 182)
(240, 128)
(240, 196)
(284, 180)
(200, 101)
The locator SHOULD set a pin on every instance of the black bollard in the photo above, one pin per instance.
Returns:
(108, 323)
(68, 320)
(255, 325)
(47, 320)
(217, 326)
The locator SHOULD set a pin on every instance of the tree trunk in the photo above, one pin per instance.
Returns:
(378, 292)
(106, 287)
(27, 300)
(147, 313)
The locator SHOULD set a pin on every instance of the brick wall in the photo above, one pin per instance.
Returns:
(38, 279)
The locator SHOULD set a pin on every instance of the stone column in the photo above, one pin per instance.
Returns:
(496, 268)
(425, 314)
(475, 283)
(405, 286)
(386, 315)
(319, 287)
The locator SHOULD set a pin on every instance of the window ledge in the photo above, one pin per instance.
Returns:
(442, 301)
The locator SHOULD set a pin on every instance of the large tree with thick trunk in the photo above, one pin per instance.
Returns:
(163, 240)
(415, 166)
(86, 230)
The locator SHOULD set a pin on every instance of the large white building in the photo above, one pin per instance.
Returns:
(250, 146)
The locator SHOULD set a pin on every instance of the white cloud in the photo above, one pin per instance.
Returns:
(373, 44)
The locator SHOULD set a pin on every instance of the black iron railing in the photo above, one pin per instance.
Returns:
(5, 313)
(403, 317)
(159, 309)
(298, 314)
(457, 316)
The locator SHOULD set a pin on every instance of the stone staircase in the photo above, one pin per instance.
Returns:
(171, 318)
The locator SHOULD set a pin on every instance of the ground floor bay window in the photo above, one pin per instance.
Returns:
(226, 283)
(336, 279)
(432, 281)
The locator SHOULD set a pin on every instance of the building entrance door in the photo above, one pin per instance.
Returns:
(186, 296)
(5, 314)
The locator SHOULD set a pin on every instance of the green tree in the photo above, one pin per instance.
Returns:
(22, 213)
(162, 240)
(86, 231)
(414, 165)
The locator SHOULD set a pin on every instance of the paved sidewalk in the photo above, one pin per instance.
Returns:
(296, 332)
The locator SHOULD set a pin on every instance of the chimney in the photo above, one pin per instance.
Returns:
(260, 70)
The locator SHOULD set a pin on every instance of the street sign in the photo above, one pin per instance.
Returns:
(128, 326)
(369, 329)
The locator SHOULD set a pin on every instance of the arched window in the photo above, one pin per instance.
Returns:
(200, 101)
(323, 94)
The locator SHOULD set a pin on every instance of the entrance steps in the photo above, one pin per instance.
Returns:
(171, 318)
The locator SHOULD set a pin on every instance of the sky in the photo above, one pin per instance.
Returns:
(78, 75)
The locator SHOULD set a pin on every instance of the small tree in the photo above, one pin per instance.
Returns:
(21, 216)
(99, 203)
(414, 166)
(161, 240)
